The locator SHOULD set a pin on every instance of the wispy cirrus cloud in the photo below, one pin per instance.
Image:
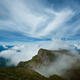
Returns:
(35, 19)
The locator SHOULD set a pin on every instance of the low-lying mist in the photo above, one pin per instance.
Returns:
(24, 52)
(61, 65)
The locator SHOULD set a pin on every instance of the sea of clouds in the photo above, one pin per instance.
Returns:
(25, 51)
(39, 19)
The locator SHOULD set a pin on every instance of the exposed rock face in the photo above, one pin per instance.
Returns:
(44, 57)
(47, 57)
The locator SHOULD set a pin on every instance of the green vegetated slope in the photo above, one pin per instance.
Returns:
(55, 77)
(25, 70)
(23, 74)
(44, 57)
(19, 74)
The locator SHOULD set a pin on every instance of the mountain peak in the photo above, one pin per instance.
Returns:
(44, 57)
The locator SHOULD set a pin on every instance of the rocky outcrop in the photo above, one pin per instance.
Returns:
(47, 57)
(44, 57)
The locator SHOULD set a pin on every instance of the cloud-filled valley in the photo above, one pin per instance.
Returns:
(23, 51)
(29, 25)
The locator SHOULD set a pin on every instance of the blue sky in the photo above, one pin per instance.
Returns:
(29, 25)
(38, 20)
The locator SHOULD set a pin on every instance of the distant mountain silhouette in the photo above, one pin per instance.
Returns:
(5, 47)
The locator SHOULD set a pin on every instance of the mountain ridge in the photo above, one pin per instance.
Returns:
(46, 57)
(27, 70)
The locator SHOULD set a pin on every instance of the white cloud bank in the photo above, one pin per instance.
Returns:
(28, 50)
(35, 19)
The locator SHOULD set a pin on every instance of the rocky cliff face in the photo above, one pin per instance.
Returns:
(43, 58)
(43, 61)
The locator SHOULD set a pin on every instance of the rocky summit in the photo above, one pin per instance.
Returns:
(46, 58)
(27, 70)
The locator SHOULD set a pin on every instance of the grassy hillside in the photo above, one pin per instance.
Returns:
(44, 57)
(19, 74)
(23, 74)
(25, 70)
(55, 77)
